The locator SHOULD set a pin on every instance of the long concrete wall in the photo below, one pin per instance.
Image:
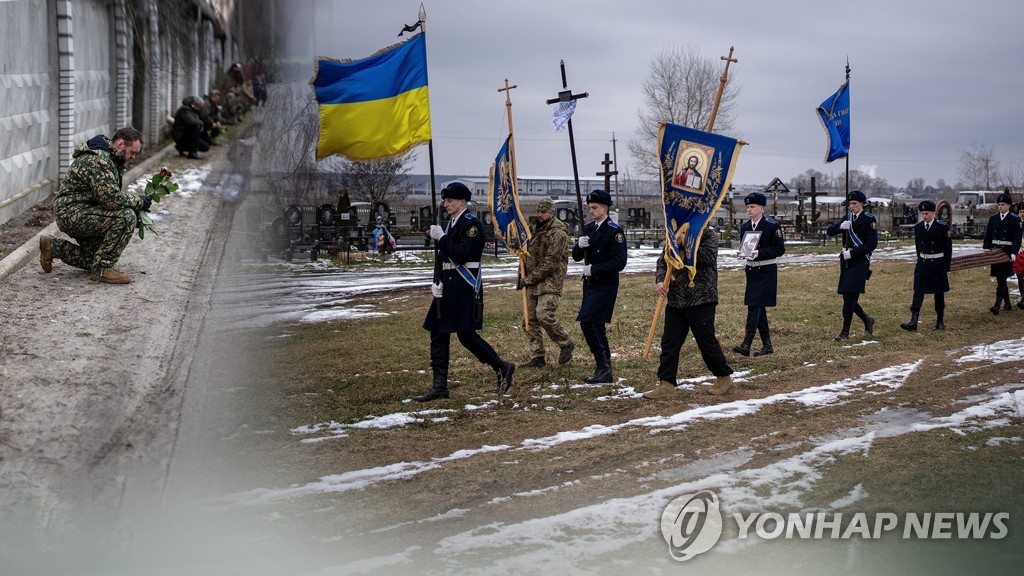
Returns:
(72, 69)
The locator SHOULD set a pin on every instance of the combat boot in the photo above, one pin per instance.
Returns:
(565, 355)
(766, 347)
(439, 389)
(504, 370)
(722, 385)
(844, 335)
(743, 348)
(535, 362)
(45, 252)
(110, 276)
(1021, 304)
(912, 324)
(664, 389)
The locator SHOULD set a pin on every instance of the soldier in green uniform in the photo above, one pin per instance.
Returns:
(188, 129)
(543, 278)
(91, 209)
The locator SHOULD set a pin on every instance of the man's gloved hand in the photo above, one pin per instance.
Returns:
(586, 268)
(437, 289)
(146, 203)
(753, 255)
(436, 232)
(845, 254)
(845, 225)
(583, 241)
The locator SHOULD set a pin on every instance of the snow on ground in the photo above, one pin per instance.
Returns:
(316, 291)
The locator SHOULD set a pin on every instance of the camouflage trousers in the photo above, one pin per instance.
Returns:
(101, 235)
(541, 310)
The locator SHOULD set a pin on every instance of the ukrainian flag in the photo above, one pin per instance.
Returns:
(375, 107)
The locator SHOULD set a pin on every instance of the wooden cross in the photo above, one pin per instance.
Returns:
(607, 173)
(721, 88)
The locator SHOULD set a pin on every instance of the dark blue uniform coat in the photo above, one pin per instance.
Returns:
(464, 242)
(853, 273)
(607, 257)
(763, 281)
(1006, 229)
(930, 275)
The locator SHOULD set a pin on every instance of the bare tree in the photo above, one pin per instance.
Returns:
(822, 181)
(680, 88)
(376, 180)
(979, 168)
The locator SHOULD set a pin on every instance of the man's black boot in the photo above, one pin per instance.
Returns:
(439, 389)
(504, 370)
(912, 324)
(743, 348)
(603, 372)
(766, 347)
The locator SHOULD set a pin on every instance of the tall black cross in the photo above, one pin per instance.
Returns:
(608, 173)
(566, 95)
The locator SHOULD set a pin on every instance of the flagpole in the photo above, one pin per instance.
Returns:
(722, 80)
(515, 191)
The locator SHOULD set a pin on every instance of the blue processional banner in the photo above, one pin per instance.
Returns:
(503, 200)
(834, 114)
(696, 170)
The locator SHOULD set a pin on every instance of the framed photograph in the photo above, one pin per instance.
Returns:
(749, 243)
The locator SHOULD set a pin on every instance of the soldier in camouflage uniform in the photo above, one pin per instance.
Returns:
(91, 209)
(543, 277)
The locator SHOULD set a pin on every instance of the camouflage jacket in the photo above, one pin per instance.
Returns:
(209, 113)
(549, 257)
(185, 116)
(94, 178)
(705, 282)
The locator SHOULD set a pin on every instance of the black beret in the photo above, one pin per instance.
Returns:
(755, 198)
(456, 191)
(858, 196)
(926, 206)
(1004, 198)
(599, 197)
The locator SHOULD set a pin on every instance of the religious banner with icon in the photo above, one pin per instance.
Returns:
(509, 224)
(696, 170)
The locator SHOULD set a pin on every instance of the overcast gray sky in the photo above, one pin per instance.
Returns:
(929, 78)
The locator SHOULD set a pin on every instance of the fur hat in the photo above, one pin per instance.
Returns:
(456, 191)
(755, 198)
(599, 197)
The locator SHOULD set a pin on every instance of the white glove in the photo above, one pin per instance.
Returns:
(437, 290)
(845, 254)
(753, 255)
(740, 255)
(586, 268)
(845, 225)
(583, 242)
(436, 232)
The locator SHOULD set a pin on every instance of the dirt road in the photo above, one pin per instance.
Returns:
(92, 379)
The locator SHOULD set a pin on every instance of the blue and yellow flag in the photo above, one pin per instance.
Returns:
(509, 224)
(374, 107)
(696, 170)
(834, 114)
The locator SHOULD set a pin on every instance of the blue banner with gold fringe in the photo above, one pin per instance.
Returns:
(696, 170)
(509, 224)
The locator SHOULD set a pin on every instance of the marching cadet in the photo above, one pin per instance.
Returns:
(603, 251)
(1003, 232)
(458, 304)
(860, 238)
(931, 273)
(761, 271)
